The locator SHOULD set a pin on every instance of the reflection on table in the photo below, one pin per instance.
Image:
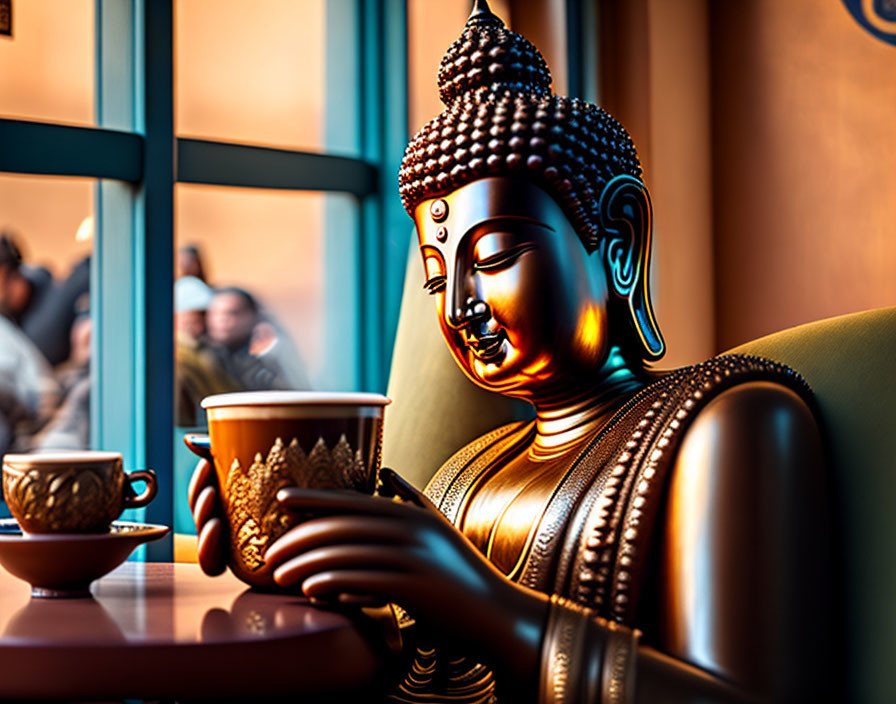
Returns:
(163, 630)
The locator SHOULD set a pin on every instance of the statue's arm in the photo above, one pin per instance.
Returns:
(746, 567)
(745, 585)
(745, 572)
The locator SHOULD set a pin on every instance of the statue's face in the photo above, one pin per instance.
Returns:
(521, 304)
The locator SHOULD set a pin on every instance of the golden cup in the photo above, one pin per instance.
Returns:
(77, 491)
(263, 441)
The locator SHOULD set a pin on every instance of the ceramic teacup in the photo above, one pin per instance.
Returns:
(76, 491)
(262, 441)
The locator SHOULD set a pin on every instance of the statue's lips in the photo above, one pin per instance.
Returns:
(488, 347)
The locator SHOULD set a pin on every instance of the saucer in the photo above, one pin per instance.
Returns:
(64, 564)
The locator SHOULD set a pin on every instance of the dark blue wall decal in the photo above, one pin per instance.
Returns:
(878, 17)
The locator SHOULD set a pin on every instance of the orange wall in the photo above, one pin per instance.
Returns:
(679, 175)
(766, 133)
(655, 80)
(804, 165)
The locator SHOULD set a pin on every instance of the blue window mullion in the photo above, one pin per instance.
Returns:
(154, 272)
(397, 227)
(131, 275)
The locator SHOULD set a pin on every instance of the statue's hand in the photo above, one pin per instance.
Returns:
(357, 545)
(208, 515)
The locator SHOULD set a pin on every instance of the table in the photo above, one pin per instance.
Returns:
(167, 630)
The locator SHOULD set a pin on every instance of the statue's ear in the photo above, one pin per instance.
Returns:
(625, 214)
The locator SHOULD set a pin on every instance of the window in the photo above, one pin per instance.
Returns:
(158, 155)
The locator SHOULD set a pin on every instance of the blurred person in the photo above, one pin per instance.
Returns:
(189, 263)
(250, 346)
(198, 370)
(24, 286)
(49, 321)
(40, 282)
(191, 299)
(15, 289)
(44, 309)
(271, 338)
(231, 318)
(27, 389)
(26, 382)
(77, 366)
(69, 427)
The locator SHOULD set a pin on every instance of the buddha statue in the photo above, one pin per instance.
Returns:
(648, 536)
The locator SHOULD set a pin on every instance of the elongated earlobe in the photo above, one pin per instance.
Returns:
(625, 213)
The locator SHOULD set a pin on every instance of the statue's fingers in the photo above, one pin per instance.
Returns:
(322, 501)
(383, 586)
(202, 477)
(395, 484)
(212, 548)
(357, 600)
(335, 530)
(206, 507)
(342, 557)
(360, 600)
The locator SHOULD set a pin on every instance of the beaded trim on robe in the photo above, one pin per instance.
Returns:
(591, 540)
(610, 550)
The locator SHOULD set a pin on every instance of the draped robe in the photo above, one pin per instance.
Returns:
(591, 542)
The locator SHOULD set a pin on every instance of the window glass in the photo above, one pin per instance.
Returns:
(47, 65)
(282, 249)
(45, 326)
(251, 72)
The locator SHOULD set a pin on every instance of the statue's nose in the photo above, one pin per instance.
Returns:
(472, 310)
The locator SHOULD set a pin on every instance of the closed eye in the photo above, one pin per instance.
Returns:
(501, 260)
(435, 284)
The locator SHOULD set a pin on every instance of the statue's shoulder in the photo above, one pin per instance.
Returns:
(464, 466)
(765, 427)
(606, 541)
(748, 385)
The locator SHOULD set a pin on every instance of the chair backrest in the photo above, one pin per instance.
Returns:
(850, 363)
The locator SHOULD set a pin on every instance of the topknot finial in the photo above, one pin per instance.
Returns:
(482, 13)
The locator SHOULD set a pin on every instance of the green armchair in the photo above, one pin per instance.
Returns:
(850, 363)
